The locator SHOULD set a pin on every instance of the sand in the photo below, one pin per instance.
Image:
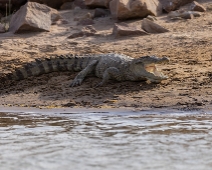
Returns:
(188, 45)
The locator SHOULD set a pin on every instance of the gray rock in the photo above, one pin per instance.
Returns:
(172, 5)
(99, 12)
(152, 27)
(123, 29)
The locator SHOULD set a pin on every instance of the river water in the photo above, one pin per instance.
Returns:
(123, 140)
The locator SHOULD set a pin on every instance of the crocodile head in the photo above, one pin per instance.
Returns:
(146, 67)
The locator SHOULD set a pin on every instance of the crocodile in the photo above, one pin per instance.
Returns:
(109, 66)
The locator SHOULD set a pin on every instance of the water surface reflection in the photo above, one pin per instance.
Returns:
(95, 141)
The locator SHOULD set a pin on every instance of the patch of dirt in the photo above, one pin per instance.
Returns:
(188, 45)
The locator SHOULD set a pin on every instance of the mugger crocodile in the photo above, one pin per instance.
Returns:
(106, 66)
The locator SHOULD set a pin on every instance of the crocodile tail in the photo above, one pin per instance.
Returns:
(48, 65)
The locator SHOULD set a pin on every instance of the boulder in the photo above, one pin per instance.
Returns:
(171, 5)
(126, 9)
(123, 29)
(51, 3)
(2, 28)
(33, 17)
(152, 27)
(195, 6)
(97, 3)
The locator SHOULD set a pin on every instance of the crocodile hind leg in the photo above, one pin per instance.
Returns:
(111, 73)
(82, 74)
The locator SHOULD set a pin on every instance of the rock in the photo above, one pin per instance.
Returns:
(187, 16)
(195, 6)
(51, 3)
(2, 28)
(126, 9)
(86, 31)
(97, 3)
(33, 17)
(99, 12)
(184, 14)
(61, 22)
(123, 29)
(55, 16)
(86, 22)
(151, 18)
(152, 27)
(171, 5)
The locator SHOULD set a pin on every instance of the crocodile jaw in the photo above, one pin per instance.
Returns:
(151, 68)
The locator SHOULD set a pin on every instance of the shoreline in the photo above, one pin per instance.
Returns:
(188, 45)
(70, 111)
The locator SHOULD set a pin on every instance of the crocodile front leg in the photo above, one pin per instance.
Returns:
(111, 73)
(82, 74)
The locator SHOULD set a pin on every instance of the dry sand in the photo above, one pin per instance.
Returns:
(188, 45)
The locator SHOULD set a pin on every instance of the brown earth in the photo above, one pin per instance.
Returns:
(188, 45)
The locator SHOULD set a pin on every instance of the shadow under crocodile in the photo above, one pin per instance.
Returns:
(53, 89)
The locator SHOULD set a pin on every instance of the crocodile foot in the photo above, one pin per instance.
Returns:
(76, 82)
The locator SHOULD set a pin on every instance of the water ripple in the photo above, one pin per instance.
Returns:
(97, 141)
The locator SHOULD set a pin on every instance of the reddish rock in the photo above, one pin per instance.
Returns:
(123, 29)
(126, 9)
(195, 6)
(97, 3)
(171, 5)
(152, 27)
(32, 17)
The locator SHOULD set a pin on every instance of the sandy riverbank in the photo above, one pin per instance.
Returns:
(188, 45)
